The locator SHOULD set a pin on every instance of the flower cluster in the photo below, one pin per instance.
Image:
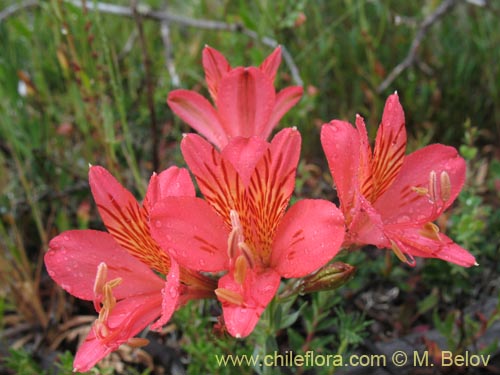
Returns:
(242, 238)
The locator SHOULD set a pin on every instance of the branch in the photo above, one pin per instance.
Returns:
(167, 18)
(15, 8)
(411, 58)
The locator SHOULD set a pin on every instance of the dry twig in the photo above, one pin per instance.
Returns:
(166, 18)
(412, 58)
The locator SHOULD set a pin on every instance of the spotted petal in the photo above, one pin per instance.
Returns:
(303, 245)
(74, 256)
(125, 220)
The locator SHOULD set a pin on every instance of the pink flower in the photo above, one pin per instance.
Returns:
(242, 226)
(119, 270)
(391, 200)
(246, 103)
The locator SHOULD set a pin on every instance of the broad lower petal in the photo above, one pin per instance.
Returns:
(197, 112)
(171, 182)
(74, 256)
(341, 145)
(408, 200)
(245, 101)
(128, 318)
(308, 237)
(216, 66)
(125, 220)
(411, 241)
(192, 232)
(285, 100)
(256, 292)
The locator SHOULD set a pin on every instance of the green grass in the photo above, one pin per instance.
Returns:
(88, 102)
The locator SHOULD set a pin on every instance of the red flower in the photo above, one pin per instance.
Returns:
(242, 225)
(391, 200)
(246, 103)
(119, 270)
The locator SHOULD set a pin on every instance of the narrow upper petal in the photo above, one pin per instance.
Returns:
(216, 66)
(271, 64)
(192, 232)
(197, 111)
(125, 220)
(217, 178)
(411, 241)
(417, 196)
(245, 101)
(303, 245)
(271, 187)
(257, 291)
(341, 144)
(285, 100)
(173, 181)
(129, 317)
(389, 150)
(74, 256)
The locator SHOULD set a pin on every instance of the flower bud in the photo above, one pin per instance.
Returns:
(331, 276)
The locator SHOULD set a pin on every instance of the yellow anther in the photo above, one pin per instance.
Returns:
(137, 342)
(445, 186)
(240, 271)
(226, 295)
(433, 186)
(431, 231)
(398, 252)
(420, 190)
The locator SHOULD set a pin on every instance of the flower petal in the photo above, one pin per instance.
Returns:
(271, 187)
(217, 178)
(271, 64)
(126, 220)
(243, 154)
(216, 66)
(285, 100)
(366, 226)
(197, 111)
(245, 101)
(257, 291)
(413, 207)
(129, 317)
(389, 150)
(192, 232)
(170, 297)
(171, 182)
(341, 144)
(303, 245)
(411, 241)
(74, 256)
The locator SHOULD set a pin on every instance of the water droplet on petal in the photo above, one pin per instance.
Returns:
(202, 262)
(158, 224)
(173, 292)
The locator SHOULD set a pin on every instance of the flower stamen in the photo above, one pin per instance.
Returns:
(226, 295)
(433, 187)
(445, 186)
(431, 231)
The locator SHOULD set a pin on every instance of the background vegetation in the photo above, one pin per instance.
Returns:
(79, 86)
